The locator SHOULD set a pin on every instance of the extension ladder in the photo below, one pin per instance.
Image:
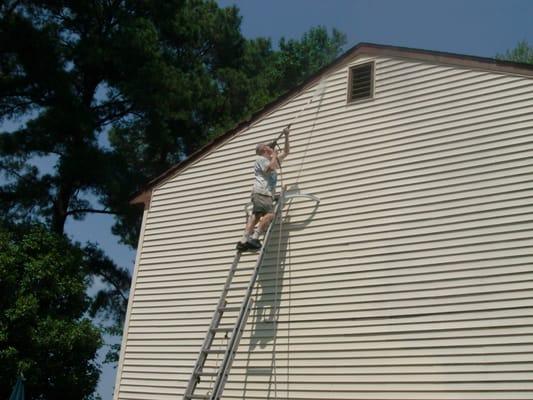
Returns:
(222, 370)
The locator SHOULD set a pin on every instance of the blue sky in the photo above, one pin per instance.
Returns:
(474, 27)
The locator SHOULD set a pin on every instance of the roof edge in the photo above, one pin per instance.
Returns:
(143, 195)
(140, 196)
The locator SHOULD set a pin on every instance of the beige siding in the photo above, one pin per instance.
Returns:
(411, 280)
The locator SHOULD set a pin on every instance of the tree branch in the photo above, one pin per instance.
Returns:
(91, 210)
(12, 171)
(11, 9)
(109, 279)
(107, 121)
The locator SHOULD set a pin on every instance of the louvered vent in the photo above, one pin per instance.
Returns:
(361, 82)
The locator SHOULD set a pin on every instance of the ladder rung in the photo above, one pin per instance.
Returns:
(238, 287)
(203, 373)
(221, 329)
(229, 328)
(250, 254)
(230, 308)
(245, 269)
(243, 272)
(215, 351)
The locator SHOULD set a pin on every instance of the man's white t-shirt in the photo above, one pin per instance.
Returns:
(265, 182)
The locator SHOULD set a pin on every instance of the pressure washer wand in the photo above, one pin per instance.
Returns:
(274, 143)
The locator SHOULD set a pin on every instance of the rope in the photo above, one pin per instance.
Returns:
(276, 287)
(319, 91)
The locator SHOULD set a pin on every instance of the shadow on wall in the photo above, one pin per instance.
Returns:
(269, 290)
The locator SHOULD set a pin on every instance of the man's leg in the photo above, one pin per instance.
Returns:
(268, 206)
(262, 215)
(250, 225)
(264, 222)
(261, 228)
(243, 244)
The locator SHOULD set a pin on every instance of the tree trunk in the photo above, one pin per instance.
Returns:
(61, 204)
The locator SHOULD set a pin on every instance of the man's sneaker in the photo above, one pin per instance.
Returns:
(253, 244)
(242, 246)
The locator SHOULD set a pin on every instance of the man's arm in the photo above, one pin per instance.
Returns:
(286, 147)
(273, 164)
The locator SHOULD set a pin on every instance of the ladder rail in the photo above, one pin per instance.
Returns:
(210, 335)
(236, 334)
(244, 310)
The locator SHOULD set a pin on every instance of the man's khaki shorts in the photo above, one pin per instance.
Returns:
(262, 204)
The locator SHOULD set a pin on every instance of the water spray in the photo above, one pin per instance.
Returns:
(318, 93)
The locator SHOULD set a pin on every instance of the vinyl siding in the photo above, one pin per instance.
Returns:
(411, 280)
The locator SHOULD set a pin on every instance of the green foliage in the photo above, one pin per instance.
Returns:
(43, 329)
(522, 53)
(158, 79)
(111, 301)
(164, 76)
(266, 73)
(299, 59)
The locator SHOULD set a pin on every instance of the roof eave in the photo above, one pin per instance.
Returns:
(143, 195)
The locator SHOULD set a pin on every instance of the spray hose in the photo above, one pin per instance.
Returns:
(318, 93)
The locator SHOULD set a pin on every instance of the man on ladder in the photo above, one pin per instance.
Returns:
(263, 192)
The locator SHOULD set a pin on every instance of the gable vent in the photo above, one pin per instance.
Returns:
(361, 82)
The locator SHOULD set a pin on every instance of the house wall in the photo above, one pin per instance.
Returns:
(411, 280)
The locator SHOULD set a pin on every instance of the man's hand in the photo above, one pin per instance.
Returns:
(286, 147)
(273, 161)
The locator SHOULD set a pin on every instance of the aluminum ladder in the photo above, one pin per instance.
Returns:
(222, 371)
